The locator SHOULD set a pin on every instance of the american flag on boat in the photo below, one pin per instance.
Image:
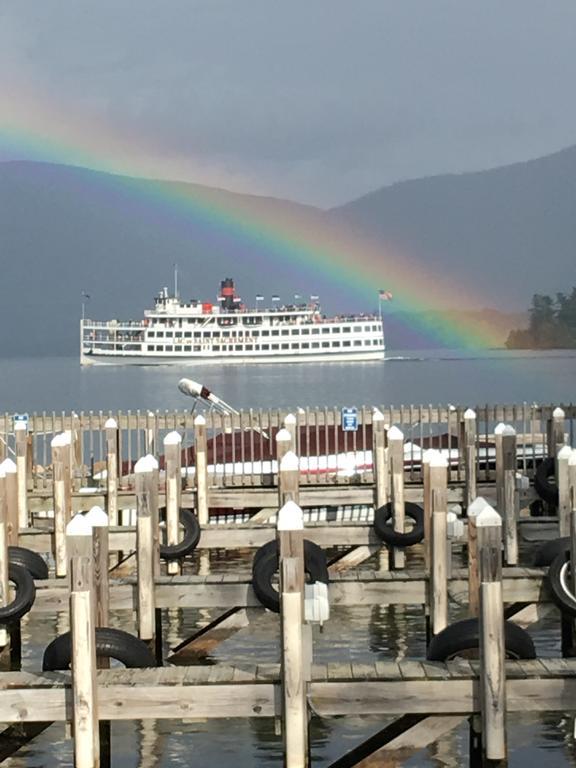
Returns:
(384, 295)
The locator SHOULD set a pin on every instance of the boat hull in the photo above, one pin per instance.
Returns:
(185, 360)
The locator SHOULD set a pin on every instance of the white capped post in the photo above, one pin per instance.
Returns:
(379, 458)
(8, 467)
(4, 581)
(563, 476)
(470, 457)
(474, 510)
(98, 520)
(492, 642)
(173, 464)
(62, 498)
(498, 431)
(289, 478)
(21, 440)
(440, 548)
(201, 451)
(111, 430)
(147, 542)
(396, 458)
(511, 509)
(572, 502)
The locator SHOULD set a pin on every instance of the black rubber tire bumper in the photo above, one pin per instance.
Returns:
(110, 644)
(464, 637)
(266, 562)
(387, 534)
(547, 552)
(545, 488)
(32, 561)
(192, 531)
(560, 586)
(24, 597)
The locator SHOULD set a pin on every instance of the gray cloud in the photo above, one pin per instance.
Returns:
(319, 101)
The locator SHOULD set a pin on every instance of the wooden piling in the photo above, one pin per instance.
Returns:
(291, 425)
(379, 459)
(201, 449)
(84, 686)
(556, 431)
(173, 466)
(427, 507)
(61, 493)
(4, 582)
(510, 511)
(111, 431)
(492, 644)
(470, 455)
(283, 444)
(98, 520)
(289, 478)
(473, 568)
(290, 530)
(439, 572)
(21, 440)
(572, 503)
(146, 544)
(562, 474)
(498, 430)
(8, 467)
(396, 459)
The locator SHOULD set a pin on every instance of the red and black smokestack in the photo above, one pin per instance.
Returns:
(227, 293)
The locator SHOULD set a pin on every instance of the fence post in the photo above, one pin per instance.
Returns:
(439, 565)
(11, 501)
(290, 424)
(563, 475)
(492, 644)
(201, 449)
(62, 497)
(290, 531)
(289, 478)
(572, 501)
(98, 520)
(4, 582)
(173, 467)
(396, 458)
(111, 430)
(556, 432)
(510, 511)
(473, 568)
(499, 471)
(84, 685)
(146, 543)
(379, 458)
(470, 459)
(21, 440)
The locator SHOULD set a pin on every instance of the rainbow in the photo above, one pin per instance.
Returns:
(294, 239)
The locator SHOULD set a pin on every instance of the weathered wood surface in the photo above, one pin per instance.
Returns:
(526, 585)
(385, 688)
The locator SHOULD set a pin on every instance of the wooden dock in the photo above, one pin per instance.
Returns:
(460, 461)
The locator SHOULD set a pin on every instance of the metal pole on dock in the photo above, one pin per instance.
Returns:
(439, 565)
(396, 457)
(492, 643)
(111, 430)
(146, 543)
(201, 449)
(173, 466)
(83, 665)
(290, 531)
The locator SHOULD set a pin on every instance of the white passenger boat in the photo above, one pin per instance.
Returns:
(176, 332)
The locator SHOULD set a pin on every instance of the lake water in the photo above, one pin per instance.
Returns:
(353, 634)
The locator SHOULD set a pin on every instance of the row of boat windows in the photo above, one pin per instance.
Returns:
(265, 347)
(239, 334)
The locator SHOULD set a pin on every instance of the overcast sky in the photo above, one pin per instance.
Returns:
(315, 100)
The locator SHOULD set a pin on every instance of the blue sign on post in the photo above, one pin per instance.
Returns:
(349, 419)
(21, 417)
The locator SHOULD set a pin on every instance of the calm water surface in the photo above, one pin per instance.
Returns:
(354, 634)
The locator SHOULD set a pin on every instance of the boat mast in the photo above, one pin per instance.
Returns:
(175, 281)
